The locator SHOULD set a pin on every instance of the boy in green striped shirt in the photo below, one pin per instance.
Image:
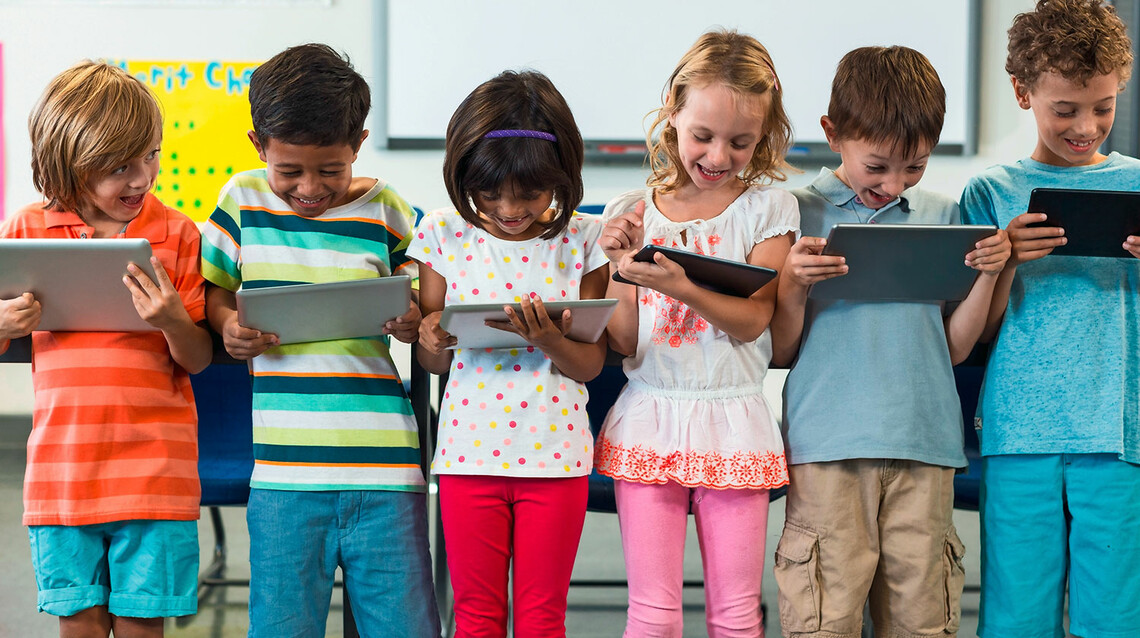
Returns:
(336, 480)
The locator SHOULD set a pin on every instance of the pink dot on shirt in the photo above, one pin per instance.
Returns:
(472, 428)
(482, 406)
(578, 464)
(462, 273)
(522, 461)
(566, 240)
(514, 424)
(455, 421)
(534, 429)
(517, 367)
(421, 235)
(578, 266)
(474, 291)
(454, 285)
(541, 465)
(542, 408)
(510, 285)
(510, 385)
(455, 384)
(464, 402)
(470, 257)
(554, 398)
(495, 453)
(499, 396)
(462, 459)
(443, 451)
(459, 233)
(522, 404)
(478, 369)
(570, 427)
(459, 366)
(576, 408)
(566, 444)
(544, 264)
(450, 439)
(525, 259)
(557, 455)
(506, 441)
(479, 462)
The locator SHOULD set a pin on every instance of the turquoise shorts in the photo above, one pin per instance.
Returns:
(1051, 521)
(137, 569)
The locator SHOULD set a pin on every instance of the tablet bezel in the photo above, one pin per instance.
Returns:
(1096, 222)
(719, 275)
(78, 282)
(895, 253)
(466, 322)
(304, 313)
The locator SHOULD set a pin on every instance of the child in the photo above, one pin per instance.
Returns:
(336, 480)
(1059, 427)
(872, 421)
(692, 430)
(111, 488)
(514, 437)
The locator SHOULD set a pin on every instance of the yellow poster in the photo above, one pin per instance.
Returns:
(206, 109)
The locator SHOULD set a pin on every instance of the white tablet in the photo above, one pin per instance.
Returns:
(902, 262)
(466, 322)
(323, 312)
(79, 282)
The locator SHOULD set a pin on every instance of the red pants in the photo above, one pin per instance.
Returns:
(488, 521)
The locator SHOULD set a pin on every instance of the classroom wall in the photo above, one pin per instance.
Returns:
(39, 39)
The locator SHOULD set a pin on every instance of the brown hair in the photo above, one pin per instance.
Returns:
(309, 95)
(473, 163)
(740, 63)
(887, 95)
(1078, 39)
(89, 120)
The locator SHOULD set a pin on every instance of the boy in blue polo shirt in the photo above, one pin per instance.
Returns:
(872, 422)
(1059, 419)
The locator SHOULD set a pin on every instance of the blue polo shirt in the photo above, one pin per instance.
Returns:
(872, 379)
(1064, 372)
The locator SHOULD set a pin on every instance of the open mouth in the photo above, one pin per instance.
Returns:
(710, 174)
(133, 201)
(306, 202)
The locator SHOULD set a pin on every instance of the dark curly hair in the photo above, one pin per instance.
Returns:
(1079, 39)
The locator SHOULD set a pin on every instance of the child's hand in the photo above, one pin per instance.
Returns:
(624, 233)
(157, 302)
(1032, 243)
(1132, 245)
(19, 316)
(433, 338)
(662, 274)
(806, 264)
(245, 343)
(990, 254)
(406, 327)
(534, 324)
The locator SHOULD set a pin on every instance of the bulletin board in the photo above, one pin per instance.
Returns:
(206, 117)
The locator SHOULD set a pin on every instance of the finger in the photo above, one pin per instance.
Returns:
(639, 212)
(1025, 219)
(143, 280)
(161, 277)
(567, 322)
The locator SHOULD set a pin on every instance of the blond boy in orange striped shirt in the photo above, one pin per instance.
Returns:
(111, 492)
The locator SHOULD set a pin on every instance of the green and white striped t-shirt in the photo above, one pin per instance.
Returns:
(329, 415)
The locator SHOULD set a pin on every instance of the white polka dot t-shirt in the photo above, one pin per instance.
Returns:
(510, 412)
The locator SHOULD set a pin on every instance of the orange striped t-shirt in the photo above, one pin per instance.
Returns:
(114, 429)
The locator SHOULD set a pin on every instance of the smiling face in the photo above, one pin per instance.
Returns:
(311, 179)
(717, 133)
(878, 172)
(1073, 120)
(117, 197)
(511, 214)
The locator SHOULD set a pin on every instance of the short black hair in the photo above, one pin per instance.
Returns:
(309, 95)
(474, 163)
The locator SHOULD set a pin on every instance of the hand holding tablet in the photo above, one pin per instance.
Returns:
(719, 275)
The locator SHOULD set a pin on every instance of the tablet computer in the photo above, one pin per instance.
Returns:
(78, 282)
(1096, 223)
(299, 313)
(465, 321)
(718, 275)
(902, 262)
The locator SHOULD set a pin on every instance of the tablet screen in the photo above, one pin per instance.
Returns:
(1096, 223)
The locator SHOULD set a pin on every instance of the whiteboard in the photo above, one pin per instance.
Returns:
(611, 58)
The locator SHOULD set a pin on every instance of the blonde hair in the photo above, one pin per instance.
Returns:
(91, 118)
(1078, 39)
(741, 64)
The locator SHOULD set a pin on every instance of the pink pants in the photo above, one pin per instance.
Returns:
(528, 527)
(731, 527)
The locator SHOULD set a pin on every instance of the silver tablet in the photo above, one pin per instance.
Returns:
(323, 312)
(79, 282)
(902, 262)
(466, 322)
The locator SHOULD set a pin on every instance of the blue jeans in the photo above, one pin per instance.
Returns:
(379, 540)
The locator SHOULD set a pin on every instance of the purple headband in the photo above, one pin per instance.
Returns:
(518, 132)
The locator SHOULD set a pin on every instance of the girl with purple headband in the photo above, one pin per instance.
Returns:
(514, 447)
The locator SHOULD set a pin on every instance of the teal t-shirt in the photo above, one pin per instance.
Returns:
(1064, 372)
(872, 379)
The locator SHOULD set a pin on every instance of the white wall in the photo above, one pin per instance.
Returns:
(42, 38)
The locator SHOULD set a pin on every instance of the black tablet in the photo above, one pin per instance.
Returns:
(1096, 223)
(902, 262)
(718, 275)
